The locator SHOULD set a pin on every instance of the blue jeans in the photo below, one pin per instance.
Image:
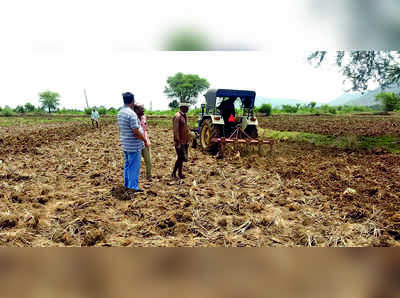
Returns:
(132, 169)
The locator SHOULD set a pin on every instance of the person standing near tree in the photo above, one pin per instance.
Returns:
(181, 139)
(146, 153)
(132, 141)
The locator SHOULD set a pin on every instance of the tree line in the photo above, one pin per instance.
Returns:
(385, 102)
(49, 103)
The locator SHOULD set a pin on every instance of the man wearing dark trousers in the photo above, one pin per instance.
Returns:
(181, 139)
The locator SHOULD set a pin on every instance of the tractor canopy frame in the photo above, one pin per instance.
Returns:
(247, 98)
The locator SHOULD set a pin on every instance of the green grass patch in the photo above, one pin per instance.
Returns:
(389, 143)
(319, 140)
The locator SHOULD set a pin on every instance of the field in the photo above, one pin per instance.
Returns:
(344, 125)
(61, 185)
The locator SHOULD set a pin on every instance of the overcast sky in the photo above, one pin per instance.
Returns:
(109, 47)
(105, 76)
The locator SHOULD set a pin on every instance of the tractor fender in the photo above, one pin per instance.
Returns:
(215, 119)
(248, 121)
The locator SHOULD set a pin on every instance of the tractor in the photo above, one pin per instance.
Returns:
(218, 123)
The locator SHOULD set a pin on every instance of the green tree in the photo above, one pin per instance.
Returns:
(361, 68)
(265, 108)
(332, 110)
(49, 100)
(185, 87)
(312, 104)
(289, 109)
(389, 100)
(88, 111)
(19, 109)
(29, 107)
(7, 111)
(174, 104)
(112, 111)
(102, 110)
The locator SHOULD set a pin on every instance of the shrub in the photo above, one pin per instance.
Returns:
(112, 111)
(102, 110)
(289, 109)
(312, 104)
(389, 100)
(332, 110)
(265, 109)
(19, 110)
(7, 111)
(29, 107)
(325, 108)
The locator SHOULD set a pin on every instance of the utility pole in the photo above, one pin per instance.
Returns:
(87, 104)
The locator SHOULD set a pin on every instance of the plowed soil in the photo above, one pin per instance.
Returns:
(335, 125)
(62, 186)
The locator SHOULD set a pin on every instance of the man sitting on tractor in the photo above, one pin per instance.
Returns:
(227, 110)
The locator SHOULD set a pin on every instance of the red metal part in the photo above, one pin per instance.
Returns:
(228, 140)
(234, 138)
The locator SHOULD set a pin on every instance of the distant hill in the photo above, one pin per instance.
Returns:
(358, 99)
(277, 102)
(344, 99)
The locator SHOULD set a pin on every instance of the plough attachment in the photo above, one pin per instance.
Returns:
(242, 145)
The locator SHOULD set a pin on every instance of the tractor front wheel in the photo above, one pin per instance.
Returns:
(207, 132)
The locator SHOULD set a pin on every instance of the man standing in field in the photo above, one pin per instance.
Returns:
(95, 118)
(132, 141)
(181, 139)
(146, 153)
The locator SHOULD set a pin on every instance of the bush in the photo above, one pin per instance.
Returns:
(389, 100)
(29, 107)
(265, 109)
(289, 109)
(102, 110)
(112, 111)
(325, 108)
(332, 110)
(19, 110)
(173, 104)
(7, 111)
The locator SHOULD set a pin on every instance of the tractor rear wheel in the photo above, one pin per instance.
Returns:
(252, 131)
(207, 132)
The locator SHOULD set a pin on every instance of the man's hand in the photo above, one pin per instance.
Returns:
(139, 135)
(177, 145)
(146, 144)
